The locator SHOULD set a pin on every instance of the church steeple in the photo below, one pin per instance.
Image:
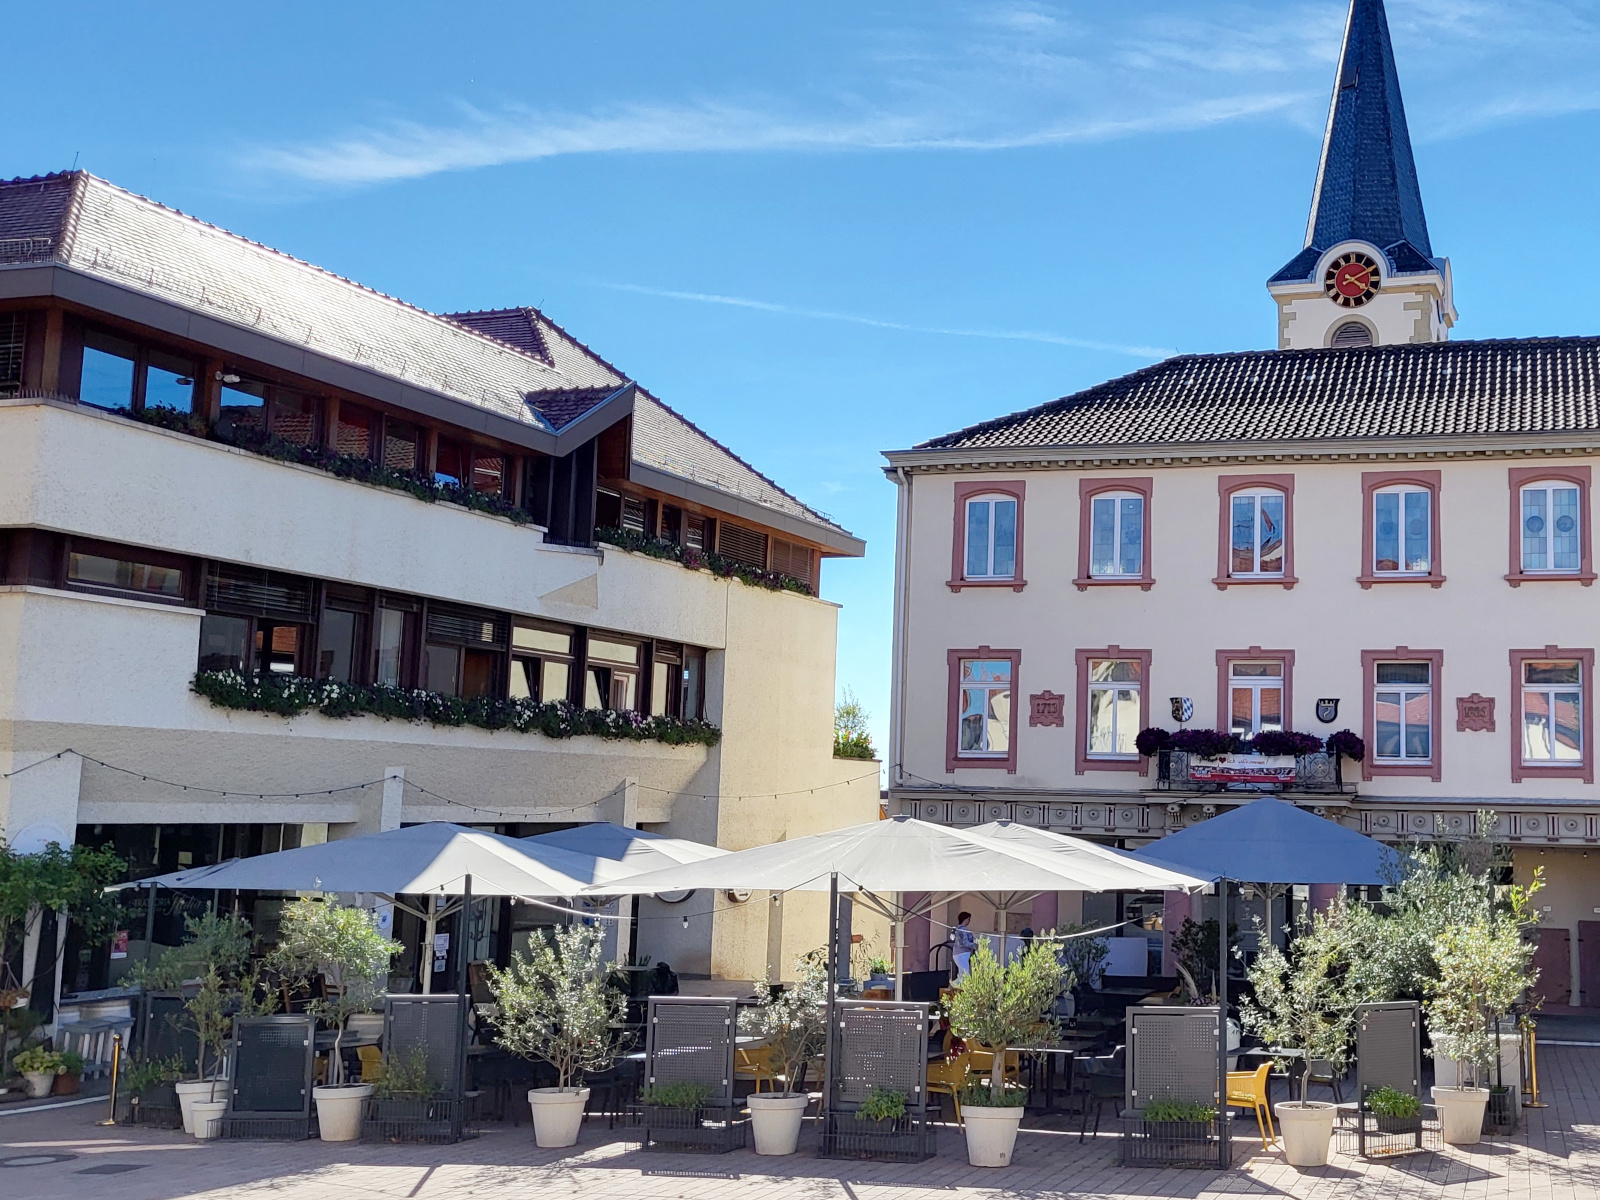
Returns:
(1367, 224)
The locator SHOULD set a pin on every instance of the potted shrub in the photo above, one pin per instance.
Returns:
(1342, 745)
(1396, 1112)
(1175, 1131)
(1302, 1000)
(794, 1023)
(209, 1014)
(556, 1005)
(1001, 1007)
(345, 947)
(884, 1109)
(404, 1100)
(39, 1067)
(149, 1085)
(70, 1079)
(1484, 967)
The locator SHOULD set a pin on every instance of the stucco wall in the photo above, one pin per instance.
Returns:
(1327, 619)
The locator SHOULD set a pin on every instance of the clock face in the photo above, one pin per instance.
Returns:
(1352, 280)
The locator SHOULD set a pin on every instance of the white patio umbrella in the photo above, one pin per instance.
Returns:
(617, 851)
(432, 859)
(879, 861)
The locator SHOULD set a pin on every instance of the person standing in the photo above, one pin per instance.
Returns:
(964, 942)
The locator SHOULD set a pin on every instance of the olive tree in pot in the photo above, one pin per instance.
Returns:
(1002, 1008)
(345, 948)
(793, 1022)
(1484, 967)
(556, 1005)
(1304, 999)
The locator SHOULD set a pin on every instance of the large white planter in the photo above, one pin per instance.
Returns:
(775, 1121)
(39, 1082)
(991, 1133)
(1461, 1113)
(207, 1116)
(189, 1091)
(340, 1111)
(1307, 1128)
(557, 1115)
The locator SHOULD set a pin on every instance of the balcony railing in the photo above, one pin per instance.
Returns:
(1176, 771)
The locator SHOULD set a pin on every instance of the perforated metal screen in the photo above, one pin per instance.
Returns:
(162, 1033)
(880, 1044)
(691, 1040)
(1389, 1047)
(272, 1063)
(1172, 1055)
(431, 1024)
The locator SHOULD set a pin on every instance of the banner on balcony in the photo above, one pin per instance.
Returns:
(1243, 768)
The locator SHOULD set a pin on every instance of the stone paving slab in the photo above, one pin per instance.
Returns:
(1555, 1155)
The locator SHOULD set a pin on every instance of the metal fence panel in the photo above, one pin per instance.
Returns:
(272, 1066)
(431, 1024)
(1389, 1047)
(1172, 1055)
(690, 1039)
(881, 1044)
(162, 1033)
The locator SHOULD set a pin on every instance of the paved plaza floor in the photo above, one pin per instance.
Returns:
(62, 1154)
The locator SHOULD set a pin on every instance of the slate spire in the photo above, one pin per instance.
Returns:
(1367, 182)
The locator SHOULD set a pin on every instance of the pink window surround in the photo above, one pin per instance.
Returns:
(1519, 478)
(1088, 489)
(1082, 762)
(1225, 661)
(954, 761)
(1373, 481)
(1015, 488)
(1227, 485)
(1369, 675)
(1521, 771)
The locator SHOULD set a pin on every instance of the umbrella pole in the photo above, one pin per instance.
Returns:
(464, 999)
(1224, 1145)
(899, 950)
(432, 920)
(828, 1060)
(1001, 913)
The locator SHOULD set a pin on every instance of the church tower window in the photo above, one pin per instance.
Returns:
(1351, 335)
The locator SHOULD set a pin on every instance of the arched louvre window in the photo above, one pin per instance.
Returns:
(1351, 335)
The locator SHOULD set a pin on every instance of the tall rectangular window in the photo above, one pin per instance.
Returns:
(108, 369)
(395, 634)
(356, 431)
(169, 381)
(1403, 712)
(1116, 525)
(1402, 530)
(1551, 527)
(1255, 691)
(402, 445)
(692, 706)
(451, 464)
(1114, 707)
(983, 716)
(613, 678)
(541, 664)
(991, 538)
(1258, 529)
(1552, 713)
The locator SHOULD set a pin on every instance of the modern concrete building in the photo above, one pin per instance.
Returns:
(225, 469)
(1370, 528)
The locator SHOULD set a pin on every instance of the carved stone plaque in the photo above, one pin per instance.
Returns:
(1047, 708)
(1474, 714)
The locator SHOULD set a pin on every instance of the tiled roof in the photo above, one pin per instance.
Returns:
(1462, 389)
(563, 406)
(517, 327)
(1367, 182)
(662, 438)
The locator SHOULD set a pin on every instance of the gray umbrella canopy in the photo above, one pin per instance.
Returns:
(614, 851)
(432, 858)
(1270, 841)
(1102, 868)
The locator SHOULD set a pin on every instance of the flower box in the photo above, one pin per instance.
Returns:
(1170, 1143)
(907, 1139)
(714, 1130)
(433, 1122)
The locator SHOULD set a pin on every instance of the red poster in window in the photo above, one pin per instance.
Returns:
(119, 944)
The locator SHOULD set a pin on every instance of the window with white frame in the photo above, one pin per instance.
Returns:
(1550, 527)
(1255, 697)
(1116, 535)
(1258, 532)
(1114, 707)
(991, 538)
(984, 716)
(1552, 710)
(1403, 712)
(1402, 531)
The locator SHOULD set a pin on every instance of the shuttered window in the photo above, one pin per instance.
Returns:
(742, 545)
(12, 326)
(791, 559)
(259, 593)
(467, 627)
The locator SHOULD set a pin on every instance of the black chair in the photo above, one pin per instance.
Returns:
(1320, 1071)
(1097, 1080)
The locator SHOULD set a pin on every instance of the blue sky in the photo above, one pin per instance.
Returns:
(822, 230)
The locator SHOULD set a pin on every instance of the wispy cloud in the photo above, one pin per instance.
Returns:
(818, 314)
(1019, 74)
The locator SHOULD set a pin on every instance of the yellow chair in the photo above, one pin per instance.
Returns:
(371, 1063)
(981, 1062)
(763, 1064)
(948, 1076)
(1248, 1089)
